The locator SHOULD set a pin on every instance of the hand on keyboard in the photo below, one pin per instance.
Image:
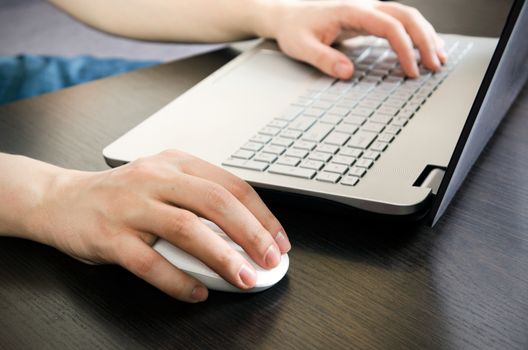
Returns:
(305, 31)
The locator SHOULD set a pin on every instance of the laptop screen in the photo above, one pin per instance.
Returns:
(505, 77)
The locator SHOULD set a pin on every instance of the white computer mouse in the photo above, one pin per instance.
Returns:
(200, 271)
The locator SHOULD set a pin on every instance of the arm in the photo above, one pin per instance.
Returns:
(304, 30)
(115, 216)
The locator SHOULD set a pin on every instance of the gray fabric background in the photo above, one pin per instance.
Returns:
(34, 26)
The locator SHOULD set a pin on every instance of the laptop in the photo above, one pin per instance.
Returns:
(379, 142)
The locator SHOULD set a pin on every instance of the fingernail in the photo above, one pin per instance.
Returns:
(272, 257)
(443, 55)
(415, 70)
(342, 70)
(199, 293)
(436, 62)
(247, 275)
(283, 242)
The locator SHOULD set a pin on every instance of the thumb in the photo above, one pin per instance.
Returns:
(326, 58)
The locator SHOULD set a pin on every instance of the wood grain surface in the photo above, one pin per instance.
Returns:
(353, 283)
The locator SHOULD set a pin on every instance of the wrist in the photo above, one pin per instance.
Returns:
(25, 185)
(50, 207)
(265, 16)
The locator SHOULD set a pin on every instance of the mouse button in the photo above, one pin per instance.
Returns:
(183, 260)
(270, 277)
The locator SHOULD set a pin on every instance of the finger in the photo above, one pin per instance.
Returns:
(419, 29)
(320, 55)
(214, 202)
(440, 44)
(143, 261)
(245, 194)
(381, 24)
(184, 230)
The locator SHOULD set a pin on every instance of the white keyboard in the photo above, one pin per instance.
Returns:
(336, 130)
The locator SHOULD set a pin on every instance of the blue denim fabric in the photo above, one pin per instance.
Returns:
(28, 75)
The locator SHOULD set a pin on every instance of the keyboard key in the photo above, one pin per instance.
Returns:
(380, 118)
(365, 86)
(387, 86)
(307, 145)
(274, 149)
(290, 161)
(327, 148)
(392, 129)
(354, 95)
(322, 104)
(351, 152)
(277, 123)
(371, 104)
(378, 146)
(378, 71)
(312, 164)
(329, 97)
(348, 161)
(340, 111)
(394, 79)
(407, 114)
(291, 134)
(372, 127)
(356, 171)
(291, 113)
(330, 119)
(260, 138)
(371, 155)
(394, 102)
(335, 168)
(291, 171)
(388, 110)
(363, 112)
(336, 138)
(377, 96)
(323, 157)
(327, 177)
(322, 83)
(342, 85)
(249, 164)
(346, 128)
(398, 121)
(354, 119)
(412, 106)
(349, 180)
(265, 157)
(364, 163)
(302, 123)
(252, 146)
(270, 131)
(317, 132)
(281, 141)
(385, 137)
(303, 102)
(314, 112)
(310, 94)
(361, 139)
(294, 152)
(243, 154)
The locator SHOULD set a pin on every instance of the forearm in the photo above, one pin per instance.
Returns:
(23, 185)
(177, 20)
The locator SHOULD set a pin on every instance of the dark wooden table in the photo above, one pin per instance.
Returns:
(351, 284)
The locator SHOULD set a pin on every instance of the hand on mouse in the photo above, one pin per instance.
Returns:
(115, 216)
(305, 31)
